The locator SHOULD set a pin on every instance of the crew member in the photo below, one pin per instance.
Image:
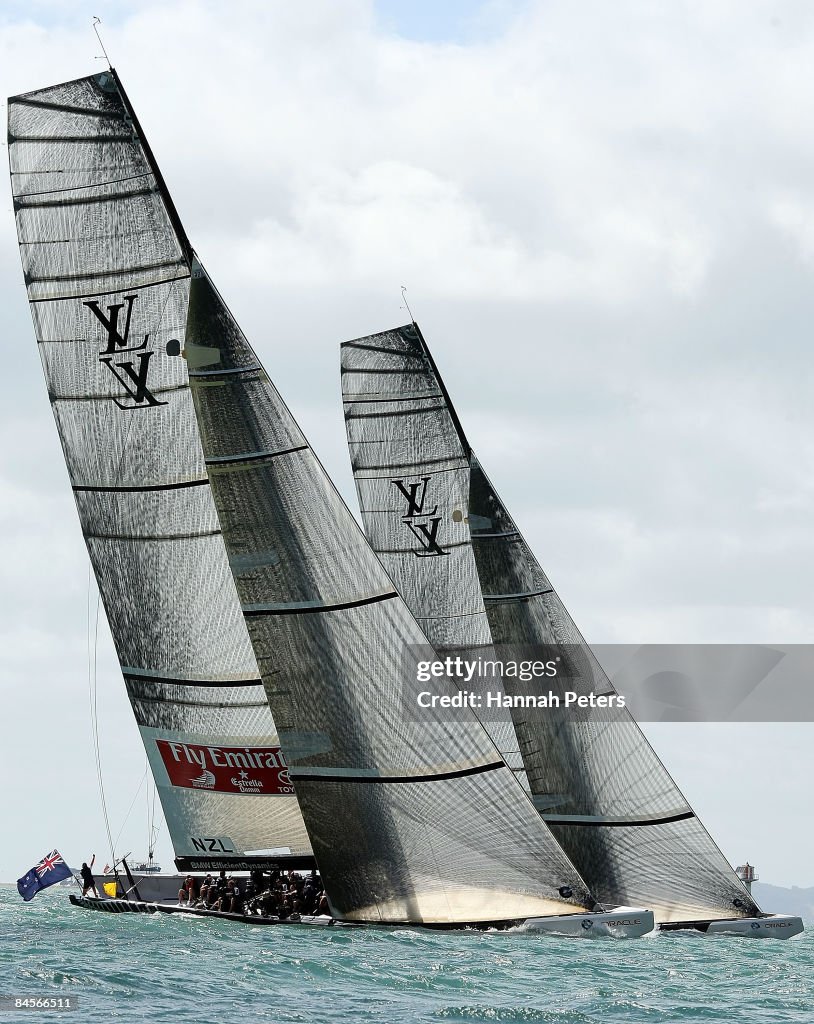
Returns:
(87, 878)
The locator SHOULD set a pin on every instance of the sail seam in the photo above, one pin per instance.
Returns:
(74, 188)
(225, 372)
(380, 348)
(220, 460)
(70, 138)
(424, 472)
(106, 273)
(392, 401)
(153, 536)
(254, 610)
(66, 109)
(376, 779)
(388, 370)
(425, 462)
(493, 536)
(111, 291)
(171, 681)
(459, 615)
(408, 550)
(391, 413)
(586, 822)
(104, 488)
(111, 397)
(108, 197)
(229, 705)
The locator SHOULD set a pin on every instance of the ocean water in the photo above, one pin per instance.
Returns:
(162, 967)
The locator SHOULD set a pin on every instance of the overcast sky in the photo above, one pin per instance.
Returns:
(604, 216)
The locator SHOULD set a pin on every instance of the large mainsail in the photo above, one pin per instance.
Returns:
(107, 268)
(410, 821)
(593, 777)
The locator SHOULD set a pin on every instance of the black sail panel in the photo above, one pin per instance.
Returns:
(107, 272)
(593, 776)
(596, 780)
(411, 467)
(409, 820)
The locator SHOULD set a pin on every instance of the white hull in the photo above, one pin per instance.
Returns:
(623, 922)
(778, 926)
(619, 923)
(775, 926)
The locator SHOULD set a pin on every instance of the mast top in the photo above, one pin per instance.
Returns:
(406, 303)
(95, 23)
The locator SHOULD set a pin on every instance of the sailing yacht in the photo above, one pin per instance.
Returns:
(258, 634)
(471, 580)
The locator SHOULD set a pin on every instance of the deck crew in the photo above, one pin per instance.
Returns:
(87, 877)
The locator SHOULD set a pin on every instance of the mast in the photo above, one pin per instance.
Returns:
(593, 777)
(107, 270)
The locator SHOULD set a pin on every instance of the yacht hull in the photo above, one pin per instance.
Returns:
(619, 923)
(773, 926)
(623, 922)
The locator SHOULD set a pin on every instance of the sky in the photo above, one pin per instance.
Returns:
(604, 219)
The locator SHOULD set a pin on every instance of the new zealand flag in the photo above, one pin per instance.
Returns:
(50, 869)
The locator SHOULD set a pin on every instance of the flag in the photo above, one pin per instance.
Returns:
(110, 889)
(50, 869)
(105, 869)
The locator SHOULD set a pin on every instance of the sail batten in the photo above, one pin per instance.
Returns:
(372, 776)
(595, 780)
(135, 488)
(313, 607)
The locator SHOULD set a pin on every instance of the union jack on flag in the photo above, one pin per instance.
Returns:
(51, 869)
(48, 863)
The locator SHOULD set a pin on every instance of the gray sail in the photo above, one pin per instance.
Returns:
(106, 267)
(415, 513)
(594, 778)
(410, 821)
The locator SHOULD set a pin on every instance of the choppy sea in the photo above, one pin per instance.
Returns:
(168, 967)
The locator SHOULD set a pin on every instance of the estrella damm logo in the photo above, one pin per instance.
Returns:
(131, 371)
(421, 522)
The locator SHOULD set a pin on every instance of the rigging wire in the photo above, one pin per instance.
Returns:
(95, 23)
(132, 804)
(92, 696)
(153, 830)
(406, 303)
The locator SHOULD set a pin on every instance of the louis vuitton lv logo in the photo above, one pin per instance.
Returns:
(131, 373)
(422, 523)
